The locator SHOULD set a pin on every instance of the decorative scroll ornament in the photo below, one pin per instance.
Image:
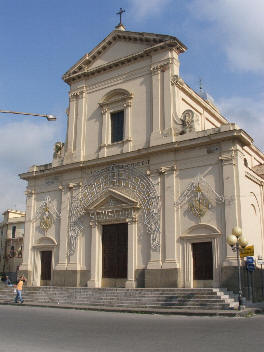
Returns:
(200, 197)
(199, 204)
(46, 214)
(187, 121)
(126, 179)
(46, 220)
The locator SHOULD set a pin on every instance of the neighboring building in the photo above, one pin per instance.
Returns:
(150, 181)
(12, 230)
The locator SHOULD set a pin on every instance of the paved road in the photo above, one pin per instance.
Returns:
(45, 329)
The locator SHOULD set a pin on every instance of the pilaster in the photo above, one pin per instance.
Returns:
(231, 184)
(80, 130)
(167, 98)
(64, 225)
(127, 128)
(155, 252)
(102, 151)
(94, 278)
(162, 100)
(26, 265)
(169, 219)
(156, 106)
(132, 254)
(71, 123)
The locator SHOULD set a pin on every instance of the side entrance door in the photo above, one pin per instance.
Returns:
(202, 264)
(45, 276)
(114, 255)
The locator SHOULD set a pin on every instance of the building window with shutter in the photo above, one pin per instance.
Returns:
(13, 231)
(117, 126)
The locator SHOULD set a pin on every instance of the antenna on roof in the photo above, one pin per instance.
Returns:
(201, 85)
(120, 25)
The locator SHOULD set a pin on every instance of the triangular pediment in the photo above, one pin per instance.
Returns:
(118, 50)
(111, 199)
(120, 45)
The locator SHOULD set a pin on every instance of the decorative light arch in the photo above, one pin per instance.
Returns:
(126, 179)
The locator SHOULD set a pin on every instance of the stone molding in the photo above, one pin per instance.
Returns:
(29, 192)
(162, 65)
(176, 80)
(77, 93)
(162, 170)
(228, 158)
(119, 78)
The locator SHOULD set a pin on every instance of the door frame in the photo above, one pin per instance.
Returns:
(51, 271)
(115, 281)
(96, 253)
(200, 233)
(202, 283)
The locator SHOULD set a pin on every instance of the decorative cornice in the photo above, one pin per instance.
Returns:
(254, 178)
(179, 83)
(125, 99)
(206, 137)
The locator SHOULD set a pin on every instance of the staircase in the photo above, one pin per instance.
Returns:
(141, 298)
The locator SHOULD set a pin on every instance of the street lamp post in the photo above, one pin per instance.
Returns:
(48, 117)
(237, 242)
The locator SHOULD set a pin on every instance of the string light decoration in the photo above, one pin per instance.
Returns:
(128, 180)
(200, 197)
(46, 214)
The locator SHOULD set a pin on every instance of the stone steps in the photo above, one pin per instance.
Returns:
(180, 298)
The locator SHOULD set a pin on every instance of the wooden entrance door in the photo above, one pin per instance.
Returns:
(45, 276)
(202, 261)
(114, 252)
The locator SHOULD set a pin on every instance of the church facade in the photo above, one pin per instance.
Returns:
(149, 183)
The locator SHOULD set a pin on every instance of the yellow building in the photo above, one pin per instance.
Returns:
(12, 230)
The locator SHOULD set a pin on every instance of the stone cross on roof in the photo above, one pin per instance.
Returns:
(120, 12)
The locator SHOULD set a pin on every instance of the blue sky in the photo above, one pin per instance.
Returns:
(41, 39)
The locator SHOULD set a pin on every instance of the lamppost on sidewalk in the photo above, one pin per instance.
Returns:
(237, 242)
(48, 117)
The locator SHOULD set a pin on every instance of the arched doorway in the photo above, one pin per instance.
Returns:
(42, 273)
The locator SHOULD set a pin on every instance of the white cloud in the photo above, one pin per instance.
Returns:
(238, 27)
(248, 114)
(144, 8)
(22, 144)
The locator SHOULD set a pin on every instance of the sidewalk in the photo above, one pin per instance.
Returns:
(251, 309)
